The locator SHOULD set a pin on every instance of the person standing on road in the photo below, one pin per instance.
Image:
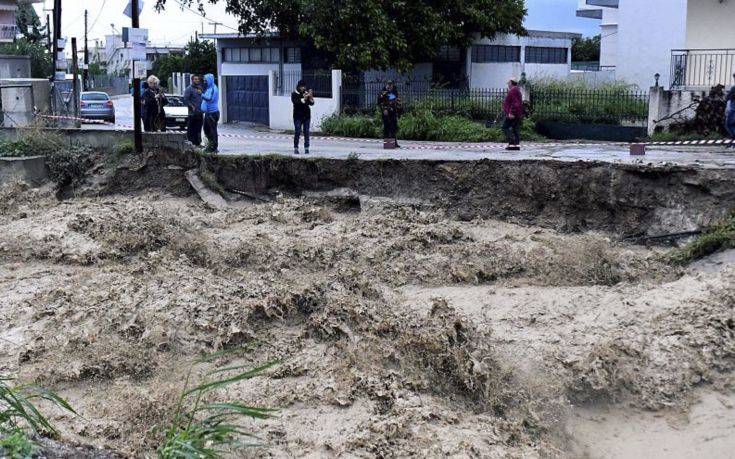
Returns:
(210, 108)
(193, 100)
(154, 100)
(389, 103)
(513, 110)
(302, 101)
(143, 109)
(730, 113)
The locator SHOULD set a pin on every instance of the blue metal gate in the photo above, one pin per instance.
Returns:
(247, 98)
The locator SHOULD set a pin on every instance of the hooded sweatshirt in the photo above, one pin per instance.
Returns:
(210, 98)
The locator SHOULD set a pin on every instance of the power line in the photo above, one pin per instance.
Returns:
(98, 15)
(199, 13)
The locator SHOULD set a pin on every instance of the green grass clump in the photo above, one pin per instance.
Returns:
(205, 429)
(123, 148)
(19, 416)
(716, 237)
(33, 142)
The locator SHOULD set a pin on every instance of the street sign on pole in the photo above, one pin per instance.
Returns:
(129, 9)
(135, 8)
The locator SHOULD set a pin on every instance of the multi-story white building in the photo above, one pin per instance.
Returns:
(688, 43)
(118, 55)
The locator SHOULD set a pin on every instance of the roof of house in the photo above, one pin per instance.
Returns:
(530, 33)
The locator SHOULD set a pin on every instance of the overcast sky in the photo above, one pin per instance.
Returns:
(176, 26)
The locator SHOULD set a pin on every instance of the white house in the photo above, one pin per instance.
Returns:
(118, 55)
(689, 43)
(244, 63)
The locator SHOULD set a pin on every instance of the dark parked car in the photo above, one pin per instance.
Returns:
(97, 106)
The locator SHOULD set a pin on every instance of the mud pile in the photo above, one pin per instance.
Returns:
(400, 331)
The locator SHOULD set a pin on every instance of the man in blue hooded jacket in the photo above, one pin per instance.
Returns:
(210, 108)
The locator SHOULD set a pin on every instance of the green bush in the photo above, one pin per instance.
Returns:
(123, 148)
(68, 166)
(423, 125)
(716, 237)
(33, 142)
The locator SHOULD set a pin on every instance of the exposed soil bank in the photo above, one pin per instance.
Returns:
(622, 199)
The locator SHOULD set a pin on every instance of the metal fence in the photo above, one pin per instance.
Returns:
(701, 68)
(598, 106)
(320, 82)
(593, 106)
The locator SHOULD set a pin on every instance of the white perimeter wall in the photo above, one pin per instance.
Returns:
(710, 24)
(280, 108)
(647, 32)
(496, 74)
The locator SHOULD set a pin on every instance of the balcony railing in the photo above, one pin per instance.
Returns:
(701, 68)
(8, 32)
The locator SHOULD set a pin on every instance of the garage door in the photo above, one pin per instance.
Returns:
(247, 98)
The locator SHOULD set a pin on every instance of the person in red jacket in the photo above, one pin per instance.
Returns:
(513, 110)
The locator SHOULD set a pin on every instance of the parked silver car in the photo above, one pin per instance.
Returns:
(177, 113)
(97, 106)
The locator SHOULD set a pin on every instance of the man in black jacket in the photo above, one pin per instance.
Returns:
(389, 103)
(193, 100)
(302, 101)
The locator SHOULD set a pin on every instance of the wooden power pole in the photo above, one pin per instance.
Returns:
(85, 71)
(137, 128)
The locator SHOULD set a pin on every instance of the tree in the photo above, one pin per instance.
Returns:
(365, 34)
(586, 49)
(41, 65)
(29, 24)
(200, 57)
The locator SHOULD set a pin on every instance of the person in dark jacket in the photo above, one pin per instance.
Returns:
(150, 108)
(210, 107)
(730, 113)
(389, 104)
(154, 100)
(143, 88)
(193, 100)
(513, 110)
(302, 101)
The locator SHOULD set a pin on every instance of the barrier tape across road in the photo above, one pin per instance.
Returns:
(443, 146)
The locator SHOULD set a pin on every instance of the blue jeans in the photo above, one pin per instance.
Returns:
(299, 125)
(730, 123)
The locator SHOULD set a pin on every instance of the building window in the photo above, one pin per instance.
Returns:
(496, 53)
(251, 55)
(293, 55)
(538, 55)
(448, 54)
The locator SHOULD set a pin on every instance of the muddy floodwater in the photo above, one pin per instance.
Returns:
(400, 331)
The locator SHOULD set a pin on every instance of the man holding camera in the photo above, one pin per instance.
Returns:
(302, 101)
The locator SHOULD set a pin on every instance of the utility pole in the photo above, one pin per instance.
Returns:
(57, 34)
(75, 72)
(48, 33)
(85, 71)
(138, 134)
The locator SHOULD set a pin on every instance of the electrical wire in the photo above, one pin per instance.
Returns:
(98, 16)
(199, 13)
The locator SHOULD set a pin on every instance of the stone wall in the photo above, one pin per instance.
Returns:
(667, 107)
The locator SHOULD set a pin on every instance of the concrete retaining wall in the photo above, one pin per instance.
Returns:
(664, 103)
(105, 139)
(31, 170)
(280, 108)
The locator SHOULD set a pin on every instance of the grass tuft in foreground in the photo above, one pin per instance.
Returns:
(715, 238)
(205, 429)
(19, 416)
